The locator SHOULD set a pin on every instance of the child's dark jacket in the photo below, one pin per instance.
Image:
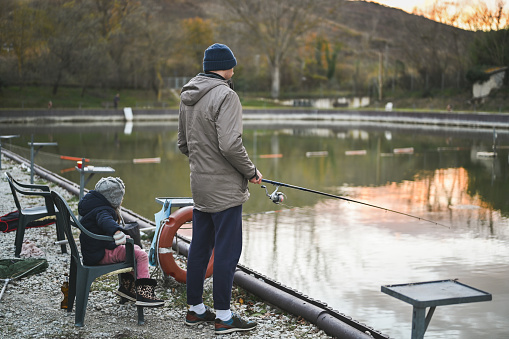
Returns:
(100, 218)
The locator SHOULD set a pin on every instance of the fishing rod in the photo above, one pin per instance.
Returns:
(278, 197)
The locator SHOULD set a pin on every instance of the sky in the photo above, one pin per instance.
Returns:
(408, 5)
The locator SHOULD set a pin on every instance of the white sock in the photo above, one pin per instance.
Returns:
(198, 309)
(224, 315)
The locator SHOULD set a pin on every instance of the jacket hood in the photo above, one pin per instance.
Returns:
(91, 201)
(197, 87)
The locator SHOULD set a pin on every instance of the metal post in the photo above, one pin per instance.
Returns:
(32, 160)
(418, 322)
(82, 177)
(494, 141)
(380, 76)
(1, 138)
(4, 137)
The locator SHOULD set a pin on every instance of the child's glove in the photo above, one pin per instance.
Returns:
(120, 238)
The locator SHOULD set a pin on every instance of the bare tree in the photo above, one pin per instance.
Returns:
(484, 18)
(119, 27)
(274, 26)
(472, 15)
(73, 31)
(443, 11)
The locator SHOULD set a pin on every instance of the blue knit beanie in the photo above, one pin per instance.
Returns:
(218, 57)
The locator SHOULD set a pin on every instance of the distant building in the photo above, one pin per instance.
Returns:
(328, 103)
(496, 80)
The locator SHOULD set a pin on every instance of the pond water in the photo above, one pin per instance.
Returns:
(336, 251)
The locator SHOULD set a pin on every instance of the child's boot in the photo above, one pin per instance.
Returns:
(126, 287)
(145, 293)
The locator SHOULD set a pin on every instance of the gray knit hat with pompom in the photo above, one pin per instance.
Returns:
(113, 189)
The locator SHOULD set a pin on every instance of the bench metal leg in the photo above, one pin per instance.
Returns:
(141, 317)
(420, 321)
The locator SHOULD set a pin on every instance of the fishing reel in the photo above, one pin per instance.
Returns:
(276, 197)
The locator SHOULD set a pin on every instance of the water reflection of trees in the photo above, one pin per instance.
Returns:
(478, 179)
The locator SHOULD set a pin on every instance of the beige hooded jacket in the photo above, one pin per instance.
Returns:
(210, 134)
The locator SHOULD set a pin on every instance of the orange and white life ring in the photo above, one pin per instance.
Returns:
(165, 241)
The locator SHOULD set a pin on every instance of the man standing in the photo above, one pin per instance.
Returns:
(116, 99)
(210, 134)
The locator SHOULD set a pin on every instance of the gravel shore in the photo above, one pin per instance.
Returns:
(30, 307)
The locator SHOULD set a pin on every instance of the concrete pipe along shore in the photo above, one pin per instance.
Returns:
(327, 319)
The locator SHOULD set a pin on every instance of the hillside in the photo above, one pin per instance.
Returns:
(424, 62)
(410, 44)
(380, 52)
(392, 25)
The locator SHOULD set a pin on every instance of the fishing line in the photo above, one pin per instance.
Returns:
(278, 197)
(270, 212)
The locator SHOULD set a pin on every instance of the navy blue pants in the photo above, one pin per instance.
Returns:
(221, 231)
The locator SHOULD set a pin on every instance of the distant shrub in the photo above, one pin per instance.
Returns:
(477, 74)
